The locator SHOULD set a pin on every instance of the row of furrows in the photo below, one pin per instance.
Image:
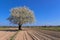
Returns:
(37, 35)
(27, 36)
(52, 33)
(48, 36)
(32, 36)
(41, 36)
(24, 37)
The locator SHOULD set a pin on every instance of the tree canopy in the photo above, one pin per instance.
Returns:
(21, 15)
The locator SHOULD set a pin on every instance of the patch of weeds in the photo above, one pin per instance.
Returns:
(12, 37)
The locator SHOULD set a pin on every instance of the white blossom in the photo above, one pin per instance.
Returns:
(21, 15)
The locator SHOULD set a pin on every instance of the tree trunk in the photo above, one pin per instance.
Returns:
(20, 26)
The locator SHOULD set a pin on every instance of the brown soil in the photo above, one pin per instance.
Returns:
(30, 34)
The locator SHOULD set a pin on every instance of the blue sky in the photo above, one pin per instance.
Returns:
(47, 12)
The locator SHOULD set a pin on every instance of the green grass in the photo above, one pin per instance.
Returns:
(4, 28)
(43, 28)
(50, 28)
(12, 37)
(53, 28)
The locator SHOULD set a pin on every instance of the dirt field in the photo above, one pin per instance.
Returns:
(5, 35)
(30, 34)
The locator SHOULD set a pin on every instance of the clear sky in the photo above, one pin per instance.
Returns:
(47, 12)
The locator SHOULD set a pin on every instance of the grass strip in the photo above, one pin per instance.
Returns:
(51, 28)
(12, 37)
